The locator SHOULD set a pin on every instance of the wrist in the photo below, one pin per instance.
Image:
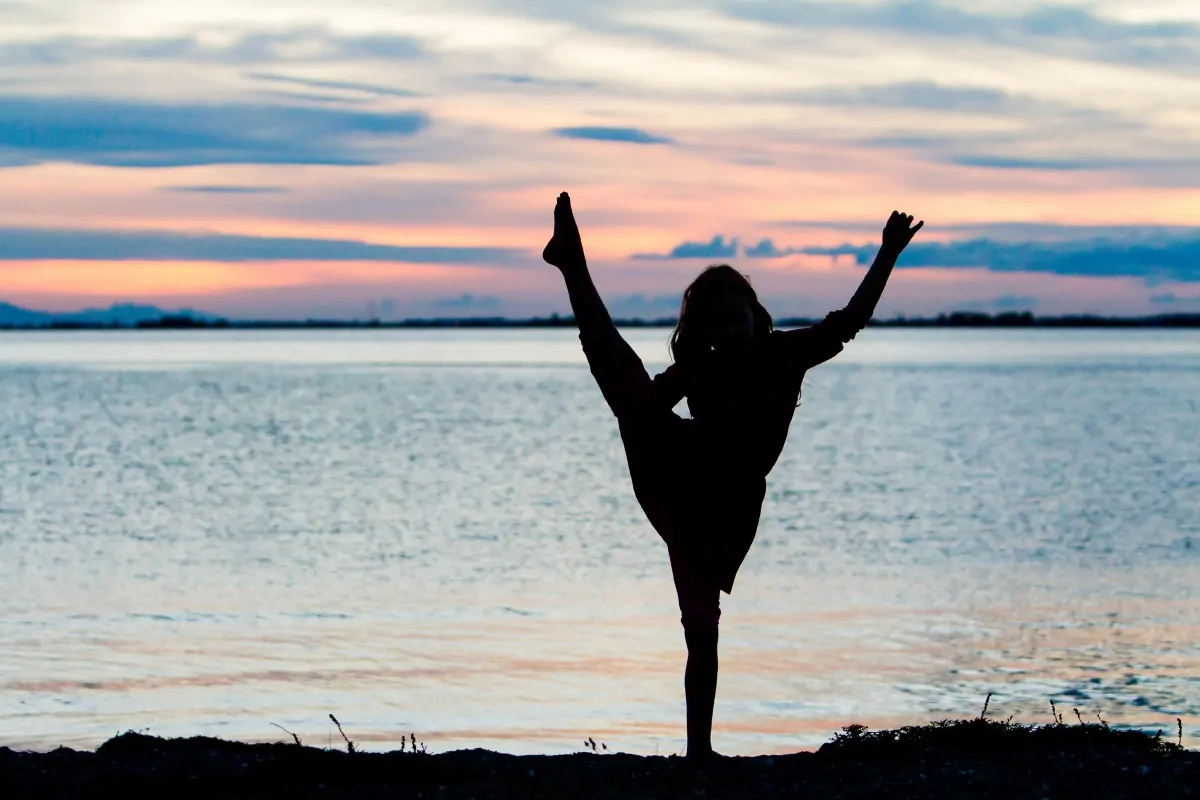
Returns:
(890, 249)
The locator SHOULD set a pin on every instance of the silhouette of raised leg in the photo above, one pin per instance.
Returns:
(565, 251)
(618, 371)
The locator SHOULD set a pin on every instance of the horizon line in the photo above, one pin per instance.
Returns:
(189, 320)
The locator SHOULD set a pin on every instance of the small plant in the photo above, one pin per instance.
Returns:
(289, 733)
(850, 734)
(1179, 722)
(349, 744)
(591, 744)
(1058, 720)
(411, 743)
(986, 701)
(1079, 717)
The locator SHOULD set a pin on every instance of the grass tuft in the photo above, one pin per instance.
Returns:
(289, 733)
(349, 744)
(992, 737)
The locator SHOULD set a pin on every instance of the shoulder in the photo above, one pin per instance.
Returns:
(668, 385)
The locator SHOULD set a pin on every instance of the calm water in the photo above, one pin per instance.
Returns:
(434, 532)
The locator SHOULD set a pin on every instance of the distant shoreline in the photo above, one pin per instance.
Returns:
(957, 319)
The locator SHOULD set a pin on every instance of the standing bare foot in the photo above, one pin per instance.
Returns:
(565, 248)
(704, 757)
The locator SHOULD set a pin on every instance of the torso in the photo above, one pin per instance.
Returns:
(747, 407)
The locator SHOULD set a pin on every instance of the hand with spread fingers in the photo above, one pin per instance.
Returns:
(899, 231)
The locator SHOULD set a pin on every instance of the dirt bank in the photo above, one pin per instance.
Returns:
(974, 758)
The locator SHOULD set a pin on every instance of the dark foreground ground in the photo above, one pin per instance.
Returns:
(975, 758)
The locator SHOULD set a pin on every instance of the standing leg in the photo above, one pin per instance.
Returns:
(699, 605)
(656, 446)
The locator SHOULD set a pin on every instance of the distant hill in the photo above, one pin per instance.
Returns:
(21, 317)
(125, 315)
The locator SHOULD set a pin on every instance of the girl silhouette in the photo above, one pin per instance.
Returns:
(701, 481)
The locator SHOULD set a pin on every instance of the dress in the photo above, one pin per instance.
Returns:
(702, 481)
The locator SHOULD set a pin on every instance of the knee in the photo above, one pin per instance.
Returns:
(700, 625)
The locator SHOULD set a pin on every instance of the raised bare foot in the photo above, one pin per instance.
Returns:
(565, 248)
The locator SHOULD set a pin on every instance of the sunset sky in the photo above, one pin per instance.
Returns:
(303, 158)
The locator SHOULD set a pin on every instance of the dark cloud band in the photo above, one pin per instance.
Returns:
(716, 248)
(1144, 252)
(602, 134)
(114, 133)
(1168, 260)
(223, 189)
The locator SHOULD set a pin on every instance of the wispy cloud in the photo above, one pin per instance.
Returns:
(1009, 302)
(467, 302)
(641, 305)
(1071, 141)
(1052, 164)
(1172, 299)
(604, 134)
(295, 45)
(927, 95)
(148, 135)
(222, 189)
(526, 82)
(1059, 30)
(45, 244)
(993, 128)
(347, 86)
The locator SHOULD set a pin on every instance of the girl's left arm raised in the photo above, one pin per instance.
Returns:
(824, 340)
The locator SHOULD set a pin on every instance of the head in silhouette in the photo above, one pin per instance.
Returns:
(720, 313)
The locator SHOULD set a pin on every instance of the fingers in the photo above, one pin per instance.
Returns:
(899, 221)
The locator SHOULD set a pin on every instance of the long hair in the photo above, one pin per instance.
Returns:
(689, 341)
